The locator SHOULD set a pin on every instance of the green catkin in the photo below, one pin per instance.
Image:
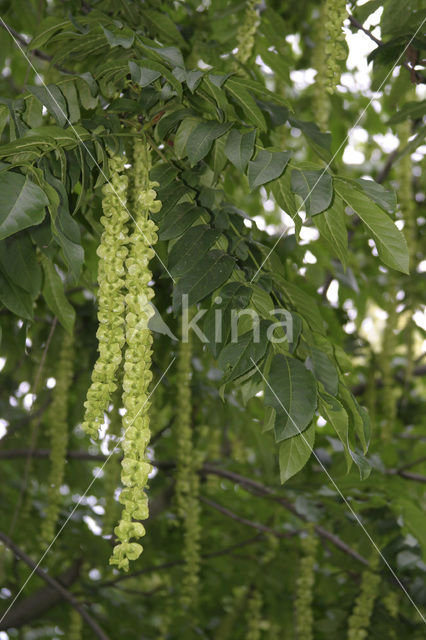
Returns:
(246, 32)
(57, 419)
(334, 15)
(75, 629)
(321, 101)
(304, 586)
(359, 621)
(388, 394)
(370, 396)
(187, 479)
(404, 174)
(112, 470)
(137, 375)
(112, 252)
(254, 616)
(183, 429)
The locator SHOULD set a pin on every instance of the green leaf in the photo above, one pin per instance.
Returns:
(53, 292)
(217, 323)
(413, 110)
(302, 303)
(190, 248)
(314, 187)
(295, 453)
(52, 98)
(247, 103)
(22, 203)
(184, 131)
(324, 370)
(206, 276)
(390, 241)
(201, 139)
(66, 230)
(180, 218)
(119, 38)
(414, 520)
(319, 141)
(238, 357)
(239, 148)
(18, 258)
(143, 76)
(291, 390)
(334, 413)
(356, 417)
(332, 226)
(172, 55)
(70, 94)
(385, 198)
(284, 196)
(267, 166)
(15, 298)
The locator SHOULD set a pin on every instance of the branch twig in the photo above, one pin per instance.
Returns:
(356, 23)
(254, 525)
(55, 585)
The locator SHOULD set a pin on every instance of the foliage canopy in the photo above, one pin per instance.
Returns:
(280, 197)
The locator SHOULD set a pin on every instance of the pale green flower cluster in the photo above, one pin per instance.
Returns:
(246, 32)
(183, 429)
(335, 13)
(359, 620)
(75, 630)
(304, 586)
(112, 253)
(57, 419)
(253, 616)
(112, 470)
(187, 480)
(321, 102)
(137, 375)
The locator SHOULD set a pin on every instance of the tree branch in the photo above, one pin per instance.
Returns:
(27, 45)
(356, 23)
(174, 563)
(54, 584)
(38, 603)
(256, 488)
(248, 523)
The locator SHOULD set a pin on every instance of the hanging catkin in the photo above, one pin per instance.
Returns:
(112, 469)
(254, 616)
(359, 621)
(304, 586)
(112, 252)
(137, 375)
(76, 626)
(333, 16)
(404, 174)
(57, 419)
(321, 101)
(246, 32)
(187, 479)
(388, 395)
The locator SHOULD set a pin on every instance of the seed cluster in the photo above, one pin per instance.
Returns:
(58, 427)
(335, 13)
(135, 467)
(112, 253)
(304, 586)
(360, 618)
(321, 101)
(254, 616)
(246, 32)
(187, 480)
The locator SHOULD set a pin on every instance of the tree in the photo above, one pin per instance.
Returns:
(211, 321)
